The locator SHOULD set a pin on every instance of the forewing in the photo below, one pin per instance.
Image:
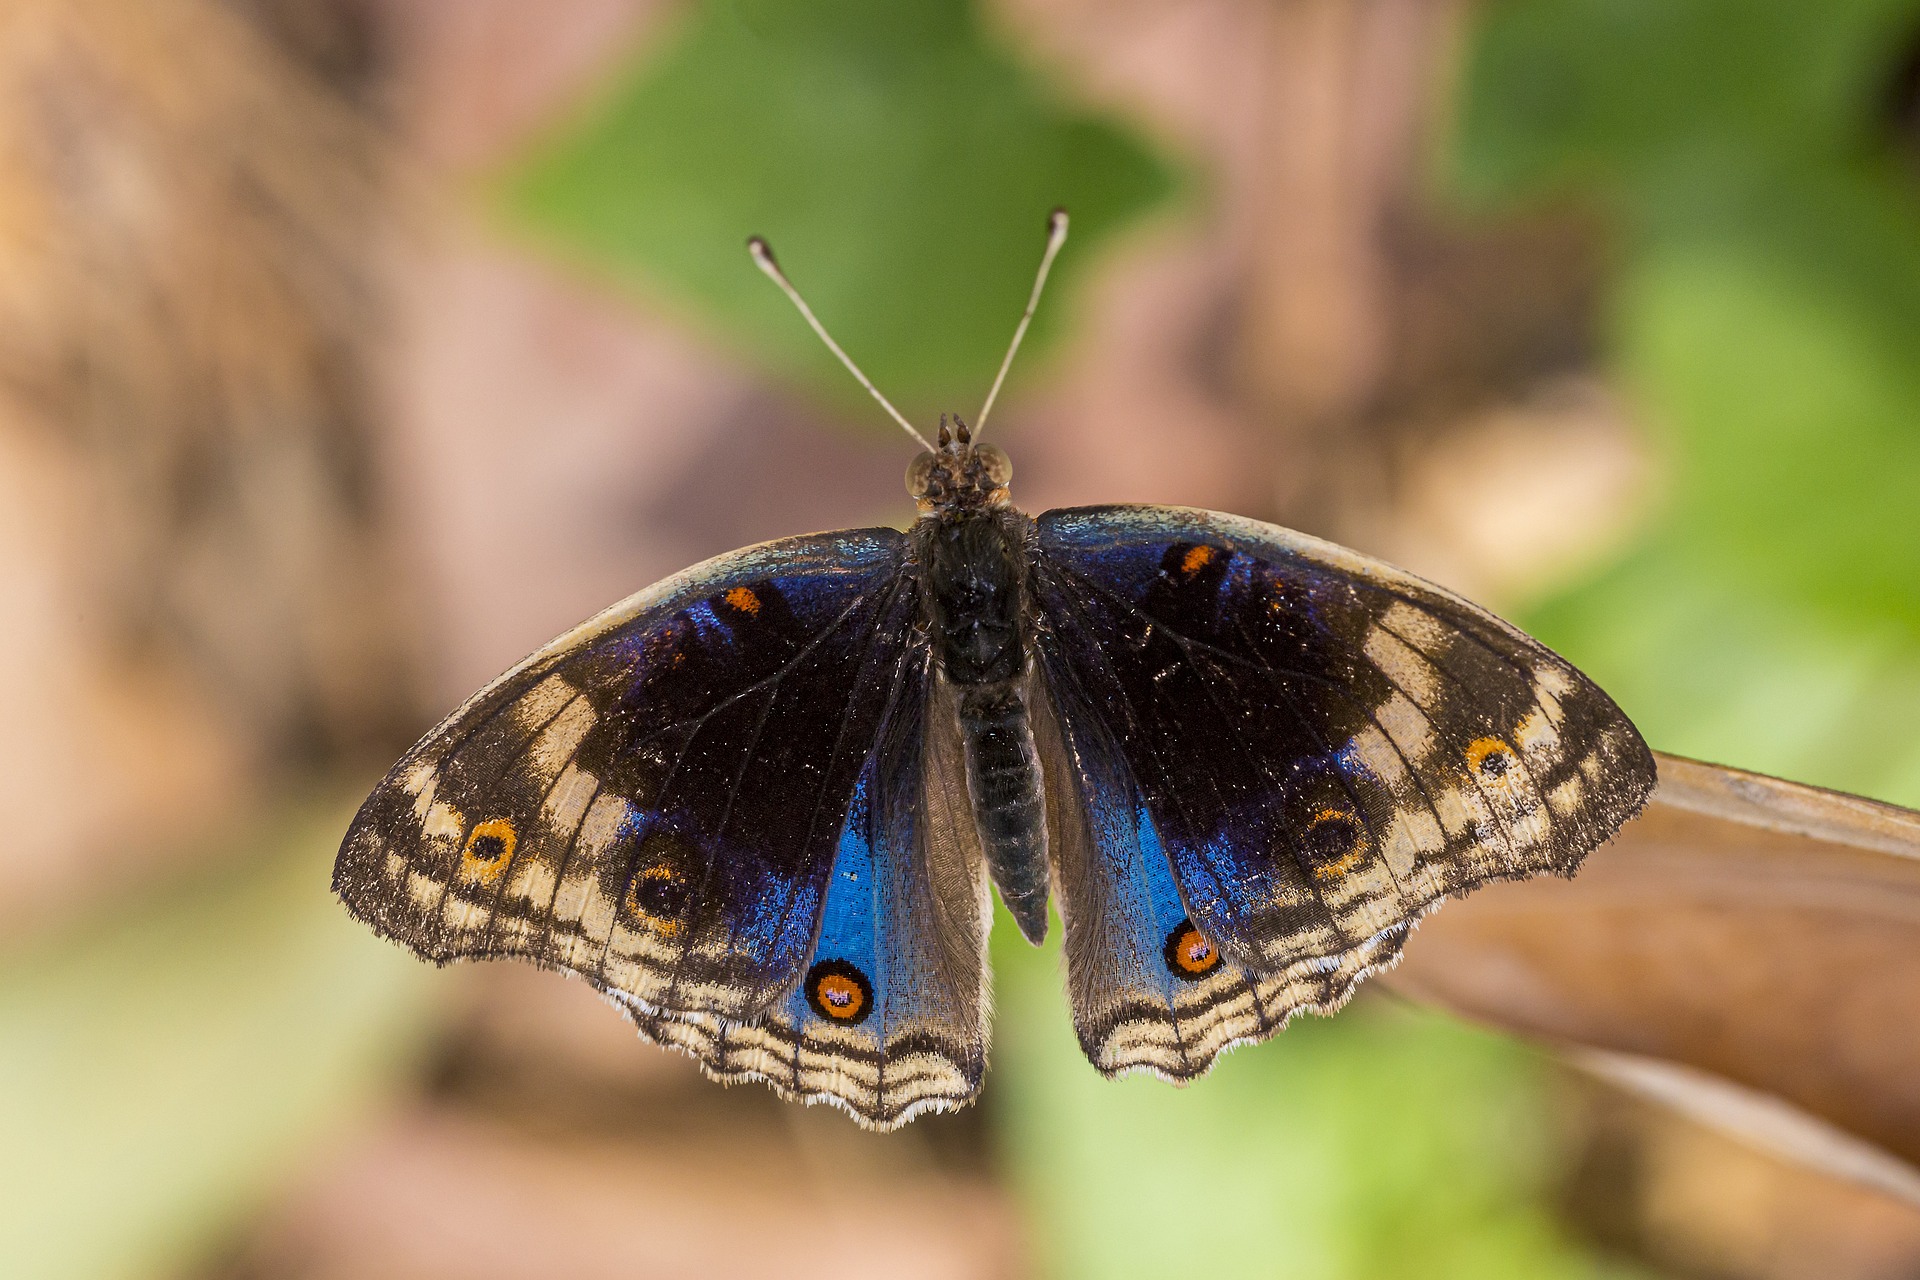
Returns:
(654, 800)
(1323, 746)
(890, 1017)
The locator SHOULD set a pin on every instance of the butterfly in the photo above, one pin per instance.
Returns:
(760, 805)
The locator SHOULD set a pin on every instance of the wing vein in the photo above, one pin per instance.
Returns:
(694, 901)
(1139, 734)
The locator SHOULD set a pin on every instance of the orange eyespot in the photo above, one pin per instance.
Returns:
(743, 599)
(488, 850)
(839, 992)
(657, 895)
(1188, 953)
(840, 996)
(1490, 758)
(1333, 845)
(1196, 559)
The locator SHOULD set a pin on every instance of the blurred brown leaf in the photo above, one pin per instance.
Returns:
(1695, 1202)
(192, 212)
(191, 222)
(1747, 950)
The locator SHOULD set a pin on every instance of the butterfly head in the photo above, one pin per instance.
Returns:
(959, 475)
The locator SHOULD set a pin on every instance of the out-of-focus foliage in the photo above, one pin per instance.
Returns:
(165, 1066)
(1386, 1142)
(901, 166)
(1764, 318)
(1764, 311)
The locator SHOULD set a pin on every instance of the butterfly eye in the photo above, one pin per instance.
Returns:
(919, 473)
(995, 462)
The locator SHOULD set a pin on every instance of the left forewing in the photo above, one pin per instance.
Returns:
(653, 801)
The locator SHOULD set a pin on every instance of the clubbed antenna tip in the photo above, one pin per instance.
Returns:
(1056, 236)
(763, 258)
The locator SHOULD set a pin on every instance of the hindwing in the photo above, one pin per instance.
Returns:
(889, 1019)
(1300, 749)
(1150, 991)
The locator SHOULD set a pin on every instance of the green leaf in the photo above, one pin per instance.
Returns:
(1384, 1143)
(1660, 95)
(1763, 322)
(161, 1069)
(900, 164)
(1785, 385)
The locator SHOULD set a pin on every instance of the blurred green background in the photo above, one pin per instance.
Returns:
(1741, 180)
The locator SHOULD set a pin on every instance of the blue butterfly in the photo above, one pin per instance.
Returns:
(759, 804)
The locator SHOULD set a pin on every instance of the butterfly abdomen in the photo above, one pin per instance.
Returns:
(1003, 777)
(975, 567)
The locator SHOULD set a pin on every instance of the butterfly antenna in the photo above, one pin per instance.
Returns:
(763, 256)
(1056, 236)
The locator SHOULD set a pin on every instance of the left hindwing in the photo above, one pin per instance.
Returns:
(890, 1018)
(1318, 749)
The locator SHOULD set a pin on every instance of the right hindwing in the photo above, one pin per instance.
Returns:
(1148, 989)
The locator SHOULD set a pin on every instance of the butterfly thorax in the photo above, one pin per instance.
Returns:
(974, 569)
(971, 550)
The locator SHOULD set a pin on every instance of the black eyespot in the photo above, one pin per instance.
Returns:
(665, 869)
(658, 891)
(1332, 844)
(1491, 758)
(1331, 838)
(488, 849)
(839, 992)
